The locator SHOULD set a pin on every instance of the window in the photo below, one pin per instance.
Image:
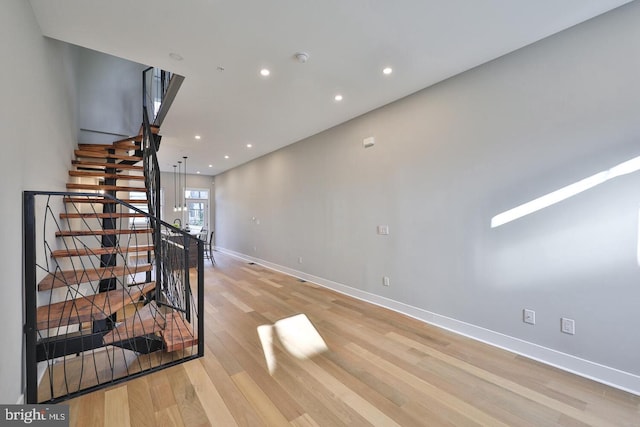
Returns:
(197, 208)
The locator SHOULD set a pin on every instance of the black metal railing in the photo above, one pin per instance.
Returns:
(159, 88)
(155, 83)
(80, 338)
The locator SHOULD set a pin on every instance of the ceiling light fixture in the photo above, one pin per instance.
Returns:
(210, 166)
(338, 97)
(175, 190)
(184, 192)
(265, 72)
(302, 57)
(178, 197)
(175, 56)
(249, 145)
(197, 136)
(387, 70)
(226, 157)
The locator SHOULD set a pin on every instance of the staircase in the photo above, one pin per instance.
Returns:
(113, 298)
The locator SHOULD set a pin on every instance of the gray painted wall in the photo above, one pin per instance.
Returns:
(171, 186)
(37, 129)
(449, 158)
(110, 92)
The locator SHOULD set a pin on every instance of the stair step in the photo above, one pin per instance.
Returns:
(61, 253)
(154, 129)
(73, 186)
(103, 155)
(104, 147)
(178, 334)
(88, 308)
(147, 320)
(94, 146)
(102, 200)
(75, 277)
(101, 232)
(132, 139)
(103, 174)
(90, 164)
(131, 146)
(102, 215)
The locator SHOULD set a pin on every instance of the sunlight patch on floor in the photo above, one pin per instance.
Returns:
(297, 335)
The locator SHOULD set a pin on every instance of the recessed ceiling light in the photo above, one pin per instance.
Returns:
(265, 72)
(197, 136)
(175, 56)
(198, 172)
(387, 70)
(226, 157)
(249, 145)
(338, 97)
(210, 166)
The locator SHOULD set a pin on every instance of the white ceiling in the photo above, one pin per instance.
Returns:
(349, 42)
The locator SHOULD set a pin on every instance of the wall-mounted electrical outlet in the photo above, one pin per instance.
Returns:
(529, 316)
(383, 230)
(568, 326)
(385, 281)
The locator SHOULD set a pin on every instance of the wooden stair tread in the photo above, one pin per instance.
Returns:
(102, 215)
(61, 253)
(98, 199)
(154, 129)
(147, 320)
(75, 277)
(88, 308)
(74, 186)
(106, 175)
(136, 138)
(103, 232)
(90, 164)
(102, 155)
(94, 146)
(178, 334)
(102, 148)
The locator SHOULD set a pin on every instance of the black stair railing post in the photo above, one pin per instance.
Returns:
(185, 284)
(29, 261)
(109, 241)
(200, 301)
(152, 184)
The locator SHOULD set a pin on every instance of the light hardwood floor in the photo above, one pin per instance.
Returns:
(381, 368)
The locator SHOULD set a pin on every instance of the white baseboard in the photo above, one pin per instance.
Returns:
(610, 376)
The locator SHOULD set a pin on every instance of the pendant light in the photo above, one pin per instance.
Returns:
(175, 192)
(184, 193)
(179, 198)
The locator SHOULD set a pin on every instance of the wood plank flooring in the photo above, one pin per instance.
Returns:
(381, 369)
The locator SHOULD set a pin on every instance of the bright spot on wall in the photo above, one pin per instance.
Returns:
(564, 193)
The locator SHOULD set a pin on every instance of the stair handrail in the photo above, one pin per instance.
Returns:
(159, 89)
(30, 231)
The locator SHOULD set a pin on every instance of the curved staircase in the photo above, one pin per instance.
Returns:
(100, 291)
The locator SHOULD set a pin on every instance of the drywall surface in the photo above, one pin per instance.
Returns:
(109, 89)
(37, 129)
(446, 160)
(172, 190)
